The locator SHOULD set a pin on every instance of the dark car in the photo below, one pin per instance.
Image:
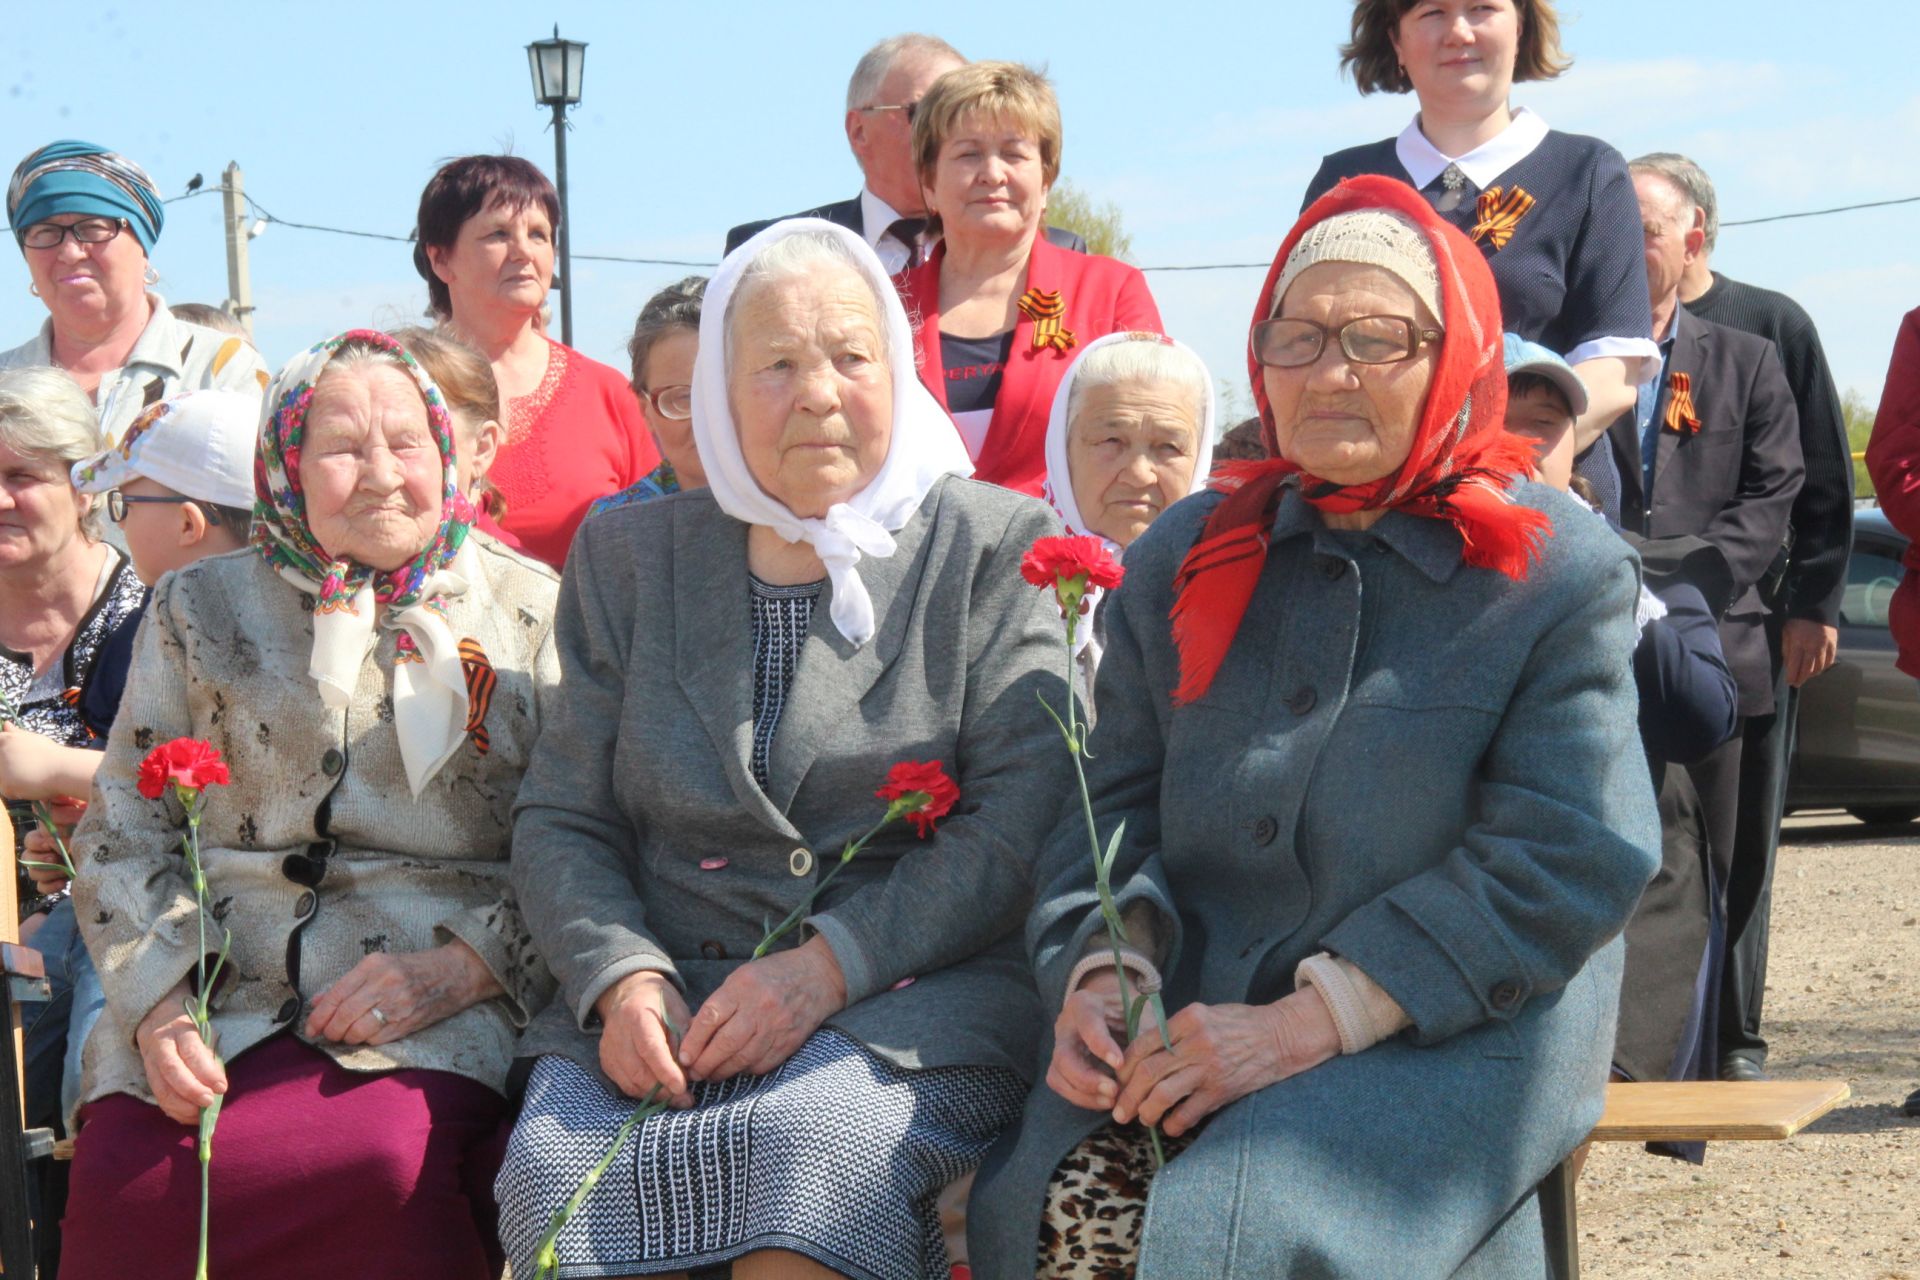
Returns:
(1859, 744)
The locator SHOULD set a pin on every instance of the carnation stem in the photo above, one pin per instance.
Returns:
(198, 1007)
(1102, 878)
(546, 1255)
(905, 804)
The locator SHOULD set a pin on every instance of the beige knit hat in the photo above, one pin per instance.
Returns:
(1376, 238)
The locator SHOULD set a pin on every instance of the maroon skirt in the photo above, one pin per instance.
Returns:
(318, 1172)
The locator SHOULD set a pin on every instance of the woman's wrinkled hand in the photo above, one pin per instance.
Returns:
(1221, 1053)
(40, 848)
(182, 1072)
(640, 1016)
(411, 989)
(764, 1012)
(1087, 1039)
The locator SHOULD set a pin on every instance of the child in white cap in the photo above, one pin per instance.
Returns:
(180, 482)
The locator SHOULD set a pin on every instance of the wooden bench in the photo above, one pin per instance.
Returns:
(1694, 1111)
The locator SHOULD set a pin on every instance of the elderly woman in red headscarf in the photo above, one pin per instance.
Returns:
(1367, 720)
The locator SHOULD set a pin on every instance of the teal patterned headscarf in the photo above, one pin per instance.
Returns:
(82, 177)
(430, 690)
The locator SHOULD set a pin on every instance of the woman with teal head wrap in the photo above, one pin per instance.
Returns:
(86, 219)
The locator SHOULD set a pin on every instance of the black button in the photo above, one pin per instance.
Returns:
(304, 908)
(1506, 995)
(287, 1010)
(1302, 700)
(1265, 830)
(1333, 567)
(332, 762)
(712, 950)
(303, 869)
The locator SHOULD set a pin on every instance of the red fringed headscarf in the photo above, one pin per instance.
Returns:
(1461, 465)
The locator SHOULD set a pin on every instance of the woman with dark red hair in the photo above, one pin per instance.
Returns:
(484, 245)
(1367, 715)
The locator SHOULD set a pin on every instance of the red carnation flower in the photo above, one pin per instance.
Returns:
(928, 781)
(186, 763)
(1071, 567)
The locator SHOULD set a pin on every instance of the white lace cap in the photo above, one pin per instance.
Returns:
(1375, 238)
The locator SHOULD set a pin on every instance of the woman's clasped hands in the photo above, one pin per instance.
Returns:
(1220, 1054)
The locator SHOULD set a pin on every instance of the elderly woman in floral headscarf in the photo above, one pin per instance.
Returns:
(375, 680)
(1368, 718)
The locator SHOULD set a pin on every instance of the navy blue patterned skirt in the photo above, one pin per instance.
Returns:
(838, 1155)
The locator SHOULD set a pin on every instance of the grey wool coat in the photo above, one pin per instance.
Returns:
(643, 775)
(1431, 770)
(317, 854)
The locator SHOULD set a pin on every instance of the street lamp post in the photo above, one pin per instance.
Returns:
(556, 65)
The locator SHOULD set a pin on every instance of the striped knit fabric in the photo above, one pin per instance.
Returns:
(781, 616)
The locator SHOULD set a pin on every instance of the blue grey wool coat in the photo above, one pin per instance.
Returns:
(1432, 770)
(643, 774)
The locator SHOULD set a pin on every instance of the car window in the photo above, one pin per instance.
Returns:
(1873, 576)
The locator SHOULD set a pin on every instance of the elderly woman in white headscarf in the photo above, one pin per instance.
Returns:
(745, 664)
(1131, 433)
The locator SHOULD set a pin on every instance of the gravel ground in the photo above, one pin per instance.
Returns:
(1842, 1199)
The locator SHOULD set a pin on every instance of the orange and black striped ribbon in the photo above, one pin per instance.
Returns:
(1047, 310)
(1499, 213)
(72, 696)
(1681, 415)
(480, 685)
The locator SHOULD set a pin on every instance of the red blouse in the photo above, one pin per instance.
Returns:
(578, 437)
(1100, 296)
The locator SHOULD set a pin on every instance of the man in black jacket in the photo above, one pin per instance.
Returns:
(1713, 450)
(890, 211)
(1804, 610)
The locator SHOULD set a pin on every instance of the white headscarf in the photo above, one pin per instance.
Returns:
(924, 447)
(1059, 486)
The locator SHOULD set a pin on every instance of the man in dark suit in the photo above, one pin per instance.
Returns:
(890, 212)
(1712, 450)
(1802, 624)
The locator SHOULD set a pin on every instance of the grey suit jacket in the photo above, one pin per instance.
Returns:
(643, 774)
(847, 213)
(1731, 484)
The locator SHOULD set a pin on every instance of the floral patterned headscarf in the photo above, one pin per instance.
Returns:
(429, 687)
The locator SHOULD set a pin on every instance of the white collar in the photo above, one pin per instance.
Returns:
(1482, 165)
(876, 217)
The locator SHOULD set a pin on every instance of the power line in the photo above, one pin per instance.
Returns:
(266, 215)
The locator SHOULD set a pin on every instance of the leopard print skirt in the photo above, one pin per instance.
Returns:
(1096, 1203)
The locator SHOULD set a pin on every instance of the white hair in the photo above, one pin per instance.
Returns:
(45, 416)
(797, 256)
(1145, 359)
(877, 61)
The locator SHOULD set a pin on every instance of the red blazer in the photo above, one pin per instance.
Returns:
(1101, 296)
(1893, 460)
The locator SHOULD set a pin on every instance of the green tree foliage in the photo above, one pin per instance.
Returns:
(1098, 220)
(1859, 417)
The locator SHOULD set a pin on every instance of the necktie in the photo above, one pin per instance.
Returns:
(908, 232)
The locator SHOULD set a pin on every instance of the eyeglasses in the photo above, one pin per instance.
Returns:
(905, 108)
(118, 502)
(48, 235)
(675, 402)
(1293, 344)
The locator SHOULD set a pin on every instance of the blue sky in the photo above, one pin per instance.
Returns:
(1203, 122)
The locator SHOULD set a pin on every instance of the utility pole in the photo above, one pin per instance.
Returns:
(239, 282)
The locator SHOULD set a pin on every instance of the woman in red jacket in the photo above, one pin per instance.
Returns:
(1002, 311)
(1893, 460)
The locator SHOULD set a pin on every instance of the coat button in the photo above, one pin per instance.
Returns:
(800, 862)
(712, 950)
(1265, 830)
(1303, 700)
(1333, 568)
(332, 762)
(287, 1010)
(303, 869)
(712, 864)
(1505, 995)
(304, 908)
